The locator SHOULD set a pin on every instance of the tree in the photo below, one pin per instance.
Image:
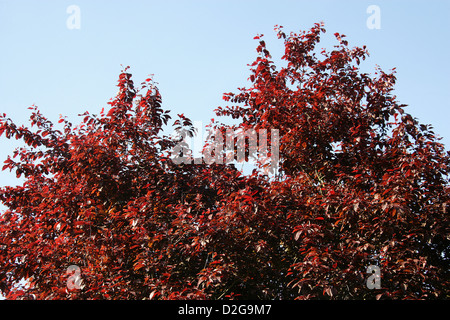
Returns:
(361, 184)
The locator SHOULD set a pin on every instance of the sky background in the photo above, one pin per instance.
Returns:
(199, 49)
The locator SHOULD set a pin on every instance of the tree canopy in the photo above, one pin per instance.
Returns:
(360, 183)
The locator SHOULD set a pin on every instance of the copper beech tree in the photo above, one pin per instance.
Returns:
(360, 183)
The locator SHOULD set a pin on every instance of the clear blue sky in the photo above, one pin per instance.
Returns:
(198, 50)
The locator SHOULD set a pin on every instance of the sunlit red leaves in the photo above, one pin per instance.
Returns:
(336, 103)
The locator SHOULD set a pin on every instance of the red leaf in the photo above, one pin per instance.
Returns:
(111, 112)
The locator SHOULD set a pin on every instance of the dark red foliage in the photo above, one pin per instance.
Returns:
(361, 183)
